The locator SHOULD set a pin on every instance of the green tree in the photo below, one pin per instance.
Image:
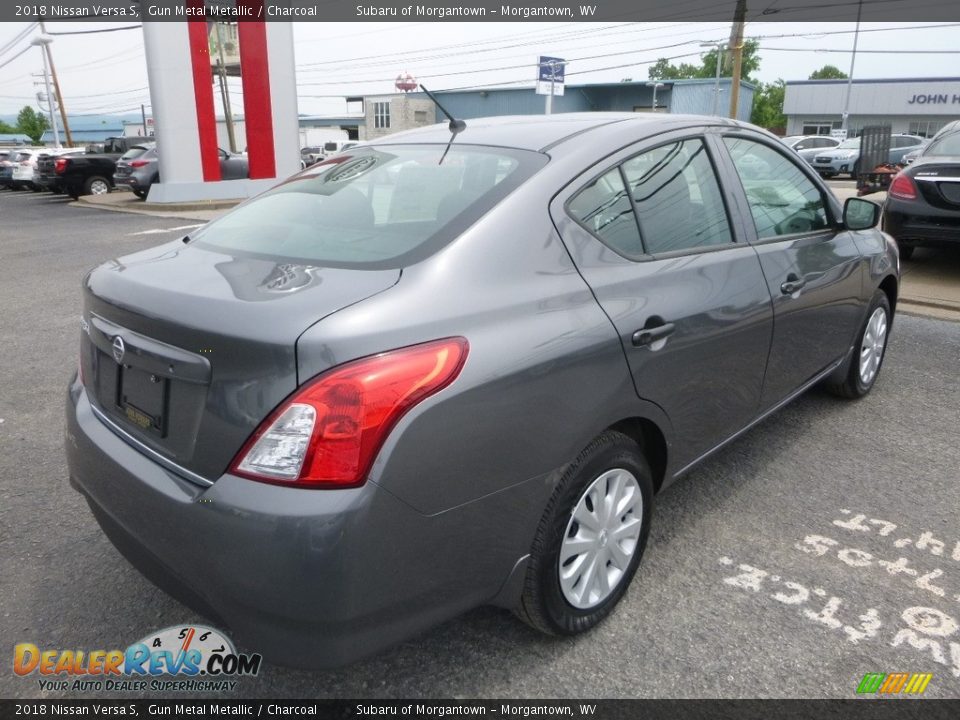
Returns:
(749, 64)
(767, 111)
(7, 128)
(31, 123)
(828, 72)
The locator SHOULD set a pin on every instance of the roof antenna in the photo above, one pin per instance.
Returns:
(455, 126)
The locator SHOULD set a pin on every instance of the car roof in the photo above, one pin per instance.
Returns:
(541, 132)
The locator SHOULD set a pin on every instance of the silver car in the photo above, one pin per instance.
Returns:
(844, 159)
(807, 146)
(449, 369)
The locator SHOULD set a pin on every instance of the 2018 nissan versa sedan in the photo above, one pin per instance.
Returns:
(443, 370)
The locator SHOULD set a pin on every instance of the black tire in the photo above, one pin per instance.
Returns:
(542, 603)
(852, 385)
(94, 183)
(140, 194)
(906, 251)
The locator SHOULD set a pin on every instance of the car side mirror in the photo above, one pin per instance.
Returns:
(860, 214)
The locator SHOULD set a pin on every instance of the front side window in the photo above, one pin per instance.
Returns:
(378, 207)
(381, 115)
(677, 197)
(783, 200)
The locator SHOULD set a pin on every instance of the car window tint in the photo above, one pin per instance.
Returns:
(604, 208)
(677, 198)
(376, 207)
(783, 200)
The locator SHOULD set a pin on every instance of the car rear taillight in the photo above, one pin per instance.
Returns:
(138, 163)
(903, 188)
(60, 164)
(328, 433)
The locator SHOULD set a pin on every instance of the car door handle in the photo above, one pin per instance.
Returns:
(650, 335)
(792, 284)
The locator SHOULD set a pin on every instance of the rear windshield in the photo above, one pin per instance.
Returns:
(375, 207)
(946, 145)
(133, 153)
(851, 143)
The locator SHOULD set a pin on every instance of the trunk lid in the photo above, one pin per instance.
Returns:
(939, 180)
(186, 350)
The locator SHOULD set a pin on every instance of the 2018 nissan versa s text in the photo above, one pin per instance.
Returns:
(448, 369)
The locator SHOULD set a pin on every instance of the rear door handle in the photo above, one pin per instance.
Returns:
(650, 335)
(792, 284)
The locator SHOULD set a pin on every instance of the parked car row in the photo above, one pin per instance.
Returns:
(129, 163)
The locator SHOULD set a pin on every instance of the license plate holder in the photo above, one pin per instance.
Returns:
(142, 399)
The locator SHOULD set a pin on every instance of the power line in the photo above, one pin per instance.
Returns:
(94, 32)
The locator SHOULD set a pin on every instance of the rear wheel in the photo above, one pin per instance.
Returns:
(868, 352)
(591, 538)
(96, 186)
(142, 194)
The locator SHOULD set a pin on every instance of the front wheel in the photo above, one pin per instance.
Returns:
(591, 538)
(868, 352)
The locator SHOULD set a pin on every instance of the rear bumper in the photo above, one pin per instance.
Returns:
(919, 222)
(308, 578)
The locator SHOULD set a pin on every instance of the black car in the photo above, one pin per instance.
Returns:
(923, 202)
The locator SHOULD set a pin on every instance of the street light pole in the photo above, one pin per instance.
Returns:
(42, 41)
(853, 59)
(655, 85)
(716, 84)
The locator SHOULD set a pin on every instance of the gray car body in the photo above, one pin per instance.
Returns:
(140, 179)
(445, 521)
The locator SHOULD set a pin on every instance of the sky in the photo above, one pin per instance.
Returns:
(106, 73)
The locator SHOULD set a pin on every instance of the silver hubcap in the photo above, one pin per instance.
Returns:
(871, 350)
(600, 539)
(99, 187)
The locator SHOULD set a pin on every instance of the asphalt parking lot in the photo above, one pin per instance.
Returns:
(823, 545)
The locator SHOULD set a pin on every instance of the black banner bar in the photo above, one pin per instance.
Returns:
(857, 709)
(819, 11)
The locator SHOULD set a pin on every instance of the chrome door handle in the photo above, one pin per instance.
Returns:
(650, 335)
(792, 285)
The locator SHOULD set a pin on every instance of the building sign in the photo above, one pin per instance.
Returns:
(550, 75)
(934, 99)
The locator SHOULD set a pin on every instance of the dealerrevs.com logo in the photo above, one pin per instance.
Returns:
(200, 658)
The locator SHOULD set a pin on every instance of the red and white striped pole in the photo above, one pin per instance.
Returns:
(181, 94)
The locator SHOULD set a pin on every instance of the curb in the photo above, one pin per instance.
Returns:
(157, 209)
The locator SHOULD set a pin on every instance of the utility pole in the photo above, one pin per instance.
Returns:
(736, 47)
(143, 116)
(41, 41)
(56, 88)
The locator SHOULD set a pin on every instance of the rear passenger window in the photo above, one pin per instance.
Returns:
(604, 209)
(783, 200)
(677, 198)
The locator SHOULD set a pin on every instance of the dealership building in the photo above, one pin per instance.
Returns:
(918, 106)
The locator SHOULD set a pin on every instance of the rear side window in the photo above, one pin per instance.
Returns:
(377, 207)
(676, 203)
(677, 198)
(782, 199)
(603, 207)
